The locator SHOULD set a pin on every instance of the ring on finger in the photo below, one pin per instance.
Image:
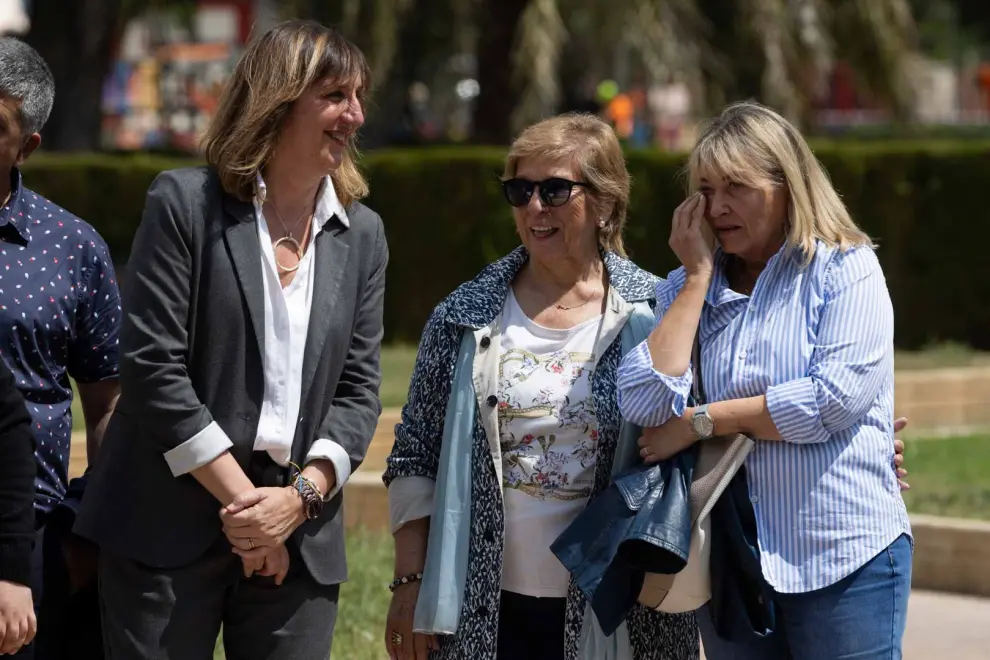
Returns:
(396, 639)
(251, 543)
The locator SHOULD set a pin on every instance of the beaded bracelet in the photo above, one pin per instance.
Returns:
(312, 499)
(405, 579)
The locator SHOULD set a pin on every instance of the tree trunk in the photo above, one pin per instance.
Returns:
(498, 96)
(76, 39)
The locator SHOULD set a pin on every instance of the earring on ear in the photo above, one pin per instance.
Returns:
(601, 223)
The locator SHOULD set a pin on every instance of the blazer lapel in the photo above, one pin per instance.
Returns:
(331, 264)
(245, 253)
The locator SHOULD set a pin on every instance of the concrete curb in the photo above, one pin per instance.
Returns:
(950, 554)
(366, 502)
(936, 399)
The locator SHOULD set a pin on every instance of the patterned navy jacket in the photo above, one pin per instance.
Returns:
(59, 317)
(416, 452)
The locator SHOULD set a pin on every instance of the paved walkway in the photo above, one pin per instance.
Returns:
(946, 627)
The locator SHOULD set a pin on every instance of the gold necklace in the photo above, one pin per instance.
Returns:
(565, 308)
(598, 295)
(289, 240)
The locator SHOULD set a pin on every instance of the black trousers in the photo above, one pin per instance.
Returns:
(531, 628)
(176, 614)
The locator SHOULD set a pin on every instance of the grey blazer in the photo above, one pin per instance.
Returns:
(191, 353)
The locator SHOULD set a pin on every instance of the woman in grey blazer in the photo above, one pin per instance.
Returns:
(249, 371)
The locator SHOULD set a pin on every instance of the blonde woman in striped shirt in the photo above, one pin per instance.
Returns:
(796, 328)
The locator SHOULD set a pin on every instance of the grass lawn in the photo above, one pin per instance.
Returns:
(949, 477)
(397, 368)
(941, 355)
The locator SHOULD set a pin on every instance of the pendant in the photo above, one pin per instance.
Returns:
(288, 240)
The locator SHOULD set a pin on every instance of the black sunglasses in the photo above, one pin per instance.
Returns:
(553, 191)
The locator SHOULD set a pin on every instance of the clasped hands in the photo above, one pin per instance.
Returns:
(257, 524)
(659, 443)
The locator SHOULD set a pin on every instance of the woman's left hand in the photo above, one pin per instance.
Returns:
(262, 519)
(276, 564)
(661, 442)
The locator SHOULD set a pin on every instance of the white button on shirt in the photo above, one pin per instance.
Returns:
(287, 314)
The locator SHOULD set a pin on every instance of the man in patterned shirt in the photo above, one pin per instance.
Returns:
(59, 319)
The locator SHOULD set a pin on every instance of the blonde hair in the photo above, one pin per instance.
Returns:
(272, 73)
(594, 145)
(755, 146)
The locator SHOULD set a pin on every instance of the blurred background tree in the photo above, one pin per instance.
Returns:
(80, 59)
(531, 55)
(518, 60)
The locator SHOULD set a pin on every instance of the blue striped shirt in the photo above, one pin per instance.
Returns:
(817, 340)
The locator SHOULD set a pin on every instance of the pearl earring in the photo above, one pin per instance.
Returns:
(601, 222)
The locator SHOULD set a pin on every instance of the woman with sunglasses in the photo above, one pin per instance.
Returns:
(545, 322)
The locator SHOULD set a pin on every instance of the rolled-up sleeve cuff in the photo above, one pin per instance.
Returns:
(198, 450)
(646, 396)
(793, 408)
(328, 450)
(410, 498)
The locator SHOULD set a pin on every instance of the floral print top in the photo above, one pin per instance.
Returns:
(548, 436)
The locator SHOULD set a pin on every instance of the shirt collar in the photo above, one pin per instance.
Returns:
(327, 203)
(7, 211)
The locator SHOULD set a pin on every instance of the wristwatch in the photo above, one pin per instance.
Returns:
(702, 423)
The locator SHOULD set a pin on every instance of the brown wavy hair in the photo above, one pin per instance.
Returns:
(272, 73)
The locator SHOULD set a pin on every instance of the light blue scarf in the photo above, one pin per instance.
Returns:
(445, 574)
(441, 594)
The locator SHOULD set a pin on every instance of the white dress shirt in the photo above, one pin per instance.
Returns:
(287, 312)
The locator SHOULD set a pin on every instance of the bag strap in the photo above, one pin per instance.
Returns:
(697, 387)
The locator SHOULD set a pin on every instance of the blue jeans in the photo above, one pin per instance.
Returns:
(861, 617)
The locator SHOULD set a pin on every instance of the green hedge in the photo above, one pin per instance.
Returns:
(443, 210)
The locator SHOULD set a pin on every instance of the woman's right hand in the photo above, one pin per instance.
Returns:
(691, 238)
(399, 625)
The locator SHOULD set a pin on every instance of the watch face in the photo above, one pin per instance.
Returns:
(703, 425)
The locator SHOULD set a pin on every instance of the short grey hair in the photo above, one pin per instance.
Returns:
(25, 76)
